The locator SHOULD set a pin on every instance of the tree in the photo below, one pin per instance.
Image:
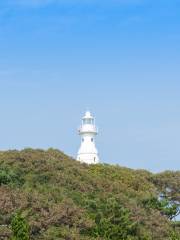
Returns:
(167, 208)
(113, 221)
(168, 184)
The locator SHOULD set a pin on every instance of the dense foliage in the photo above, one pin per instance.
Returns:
(19, 228)
(45, 195)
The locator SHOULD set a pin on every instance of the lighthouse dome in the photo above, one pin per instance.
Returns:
(88, 115)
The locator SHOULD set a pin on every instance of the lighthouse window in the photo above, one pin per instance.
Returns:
(92, 139)
(82, 139)
(88, 121)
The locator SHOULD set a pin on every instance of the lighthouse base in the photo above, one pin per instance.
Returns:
(88, 158)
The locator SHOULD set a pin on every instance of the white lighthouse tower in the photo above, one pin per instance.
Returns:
(88, 152)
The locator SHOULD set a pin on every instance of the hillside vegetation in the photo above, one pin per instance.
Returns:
(47, 195)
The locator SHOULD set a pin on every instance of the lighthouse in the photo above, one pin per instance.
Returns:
(88, 131)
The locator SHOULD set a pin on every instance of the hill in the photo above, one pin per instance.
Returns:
(59, 198)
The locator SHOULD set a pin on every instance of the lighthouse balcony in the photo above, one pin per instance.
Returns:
(88, 129)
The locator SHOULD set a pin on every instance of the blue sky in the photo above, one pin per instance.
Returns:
(118, 58)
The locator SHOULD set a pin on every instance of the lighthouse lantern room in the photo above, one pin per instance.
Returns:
(88, 131)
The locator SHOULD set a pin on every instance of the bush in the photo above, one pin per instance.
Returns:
(8, 177)
(19, 228)
(112, 220)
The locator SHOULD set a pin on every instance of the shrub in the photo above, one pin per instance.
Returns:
(19, 228)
